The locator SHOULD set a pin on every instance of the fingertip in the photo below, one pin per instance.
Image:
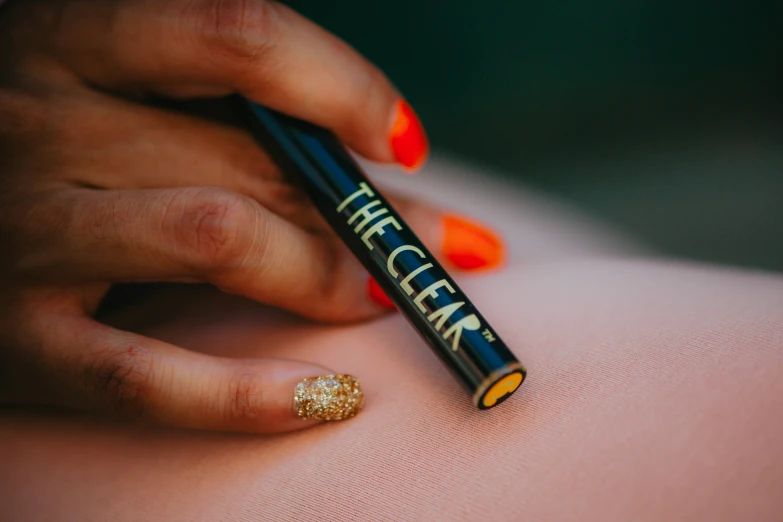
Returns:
(470, 245)
(377, 295)
(292, 395)
(328, 397)
(407, 138)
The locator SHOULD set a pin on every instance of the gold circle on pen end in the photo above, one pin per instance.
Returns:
(499, 386)
(502, 388)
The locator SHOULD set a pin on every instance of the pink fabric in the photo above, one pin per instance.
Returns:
(654, 393)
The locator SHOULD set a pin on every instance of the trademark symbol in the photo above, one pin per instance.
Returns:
(488, 335)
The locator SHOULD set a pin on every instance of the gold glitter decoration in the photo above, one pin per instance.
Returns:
(328, 397)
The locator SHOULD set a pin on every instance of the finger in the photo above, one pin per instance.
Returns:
(190, 152)
(93, 367)
(143, 147)
(456, 241)
(218, 236)
(259, 48)
(196, 234)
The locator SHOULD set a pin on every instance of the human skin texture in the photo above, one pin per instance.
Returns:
(123, 159)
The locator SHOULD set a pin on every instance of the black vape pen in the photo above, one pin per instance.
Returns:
(418, 285)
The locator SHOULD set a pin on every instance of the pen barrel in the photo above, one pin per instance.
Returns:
(410, 275)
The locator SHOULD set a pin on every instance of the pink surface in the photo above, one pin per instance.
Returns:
(654, 393)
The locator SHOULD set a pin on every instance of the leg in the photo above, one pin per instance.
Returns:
(653, 394)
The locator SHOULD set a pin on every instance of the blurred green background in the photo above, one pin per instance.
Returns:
(663, 118)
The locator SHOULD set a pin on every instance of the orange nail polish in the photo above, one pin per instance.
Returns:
(407, 138)
(378, 295)
(470, 246)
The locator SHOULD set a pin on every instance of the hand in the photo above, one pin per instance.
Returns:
(100, 184)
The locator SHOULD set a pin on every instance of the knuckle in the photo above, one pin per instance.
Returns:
(212, 226)
(244, 399)
(105, 225)
(240, 29)
(122, 379)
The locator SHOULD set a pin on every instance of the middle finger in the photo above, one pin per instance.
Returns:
(119, 144)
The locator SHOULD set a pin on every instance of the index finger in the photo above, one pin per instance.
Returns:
(258, 48)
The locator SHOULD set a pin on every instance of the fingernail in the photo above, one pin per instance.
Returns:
(328, 397)
(470, 246)
(407, 137)
(378, 295)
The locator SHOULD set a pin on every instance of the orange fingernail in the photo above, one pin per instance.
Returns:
(378, 295)
(470, 246)
(407, 138)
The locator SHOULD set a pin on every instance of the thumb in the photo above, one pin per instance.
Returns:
(98, 368)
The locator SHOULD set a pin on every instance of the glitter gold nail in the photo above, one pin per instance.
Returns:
(328, 397)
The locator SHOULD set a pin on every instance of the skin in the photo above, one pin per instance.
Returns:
(108, 176)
